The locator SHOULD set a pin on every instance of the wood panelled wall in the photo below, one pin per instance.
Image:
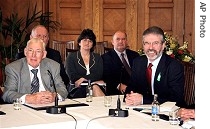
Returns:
(107, 16)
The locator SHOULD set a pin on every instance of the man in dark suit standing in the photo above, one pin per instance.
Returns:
(41, 32)
(167, 78)
(115, 74)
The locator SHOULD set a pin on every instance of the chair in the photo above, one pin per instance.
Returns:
(189, 88)
(69, 50)
(106, 49)
(61, 47)
(99, 48)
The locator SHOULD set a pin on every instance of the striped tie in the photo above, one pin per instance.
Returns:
(35, 82)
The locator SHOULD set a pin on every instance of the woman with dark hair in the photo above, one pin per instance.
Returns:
(85, 65)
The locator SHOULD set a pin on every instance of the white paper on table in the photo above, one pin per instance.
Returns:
(188, 124)
(168, 106)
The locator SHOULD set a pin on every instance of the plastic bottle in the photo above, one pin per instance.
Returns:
(155, 109)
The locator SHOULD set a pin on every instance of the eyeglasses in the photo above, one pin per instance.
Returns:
(156, 43)
(38, 52)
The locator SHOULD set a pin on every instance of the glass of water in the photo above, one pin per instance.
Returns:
(173, 119)
(107, 101)
(17, 104)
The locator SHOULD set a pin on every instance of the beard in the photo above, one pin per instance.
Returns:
(153, 54)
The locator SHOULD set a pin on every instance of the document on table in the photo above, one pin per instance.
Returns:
(165, 107)
(65, 103)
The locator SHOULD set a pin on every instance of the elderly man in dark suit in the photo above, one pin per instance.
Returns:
(116, 74)
(41, 32)
(21, 82)
(167, 76)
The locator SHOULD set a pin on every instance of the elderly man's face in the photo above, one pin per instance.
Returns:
(41, 33)
(34, 53)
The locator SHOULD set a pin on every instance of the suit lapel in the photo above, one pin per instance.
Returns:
(116, 58)
(161, 67)
(92, 60)
(129, 58)
(80, 61)
(25, 73)
(44, 74)
(160, 72)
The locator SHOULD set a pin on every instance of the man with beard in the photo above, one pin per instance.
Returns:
(167, 76)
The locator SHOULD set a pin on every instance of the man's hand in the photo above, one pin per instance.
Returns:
(122, 88)
(133, 99)
(43, 97)
(186, 114)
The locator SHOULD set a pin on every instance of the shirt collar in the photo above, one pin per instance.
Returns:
(155, 62)
(119, 53)
(30, 67)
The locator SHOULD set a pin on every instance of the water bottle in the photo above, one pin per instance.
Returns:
(89, 92)
(155, 109)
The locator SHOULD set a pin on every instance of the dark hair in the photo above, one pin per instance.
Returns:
(155, 30)
(87, 34)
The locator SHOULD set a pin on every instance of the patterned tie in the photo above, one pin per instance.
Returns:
(149, 75)
(128, 69)
(35, 82)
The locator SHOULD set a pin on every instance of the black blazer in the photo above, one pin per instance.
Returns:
(169, 86)
(114, 72)
(75, 67)
(54, 55)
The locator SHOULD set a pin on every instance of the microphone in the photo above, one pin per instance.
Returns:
(118, 112)
(55, 109)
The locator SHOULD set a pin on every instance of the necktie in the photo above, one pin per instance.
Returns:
(128, 69)
(35, 82)
(149, 75)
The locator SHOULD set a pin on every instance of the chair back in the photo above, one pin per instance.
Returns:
(189, 89)
(106, 49)
(69, 51)
(61, 47)
(99, 48)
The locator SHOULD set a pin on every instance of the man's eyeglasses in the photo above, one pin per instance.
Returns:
(38, 52)
(156, 43)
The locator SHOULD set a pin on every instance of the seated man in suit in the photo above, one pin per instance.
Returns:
(41, 32)
(115, 74)
(167, 75)
(33, 87)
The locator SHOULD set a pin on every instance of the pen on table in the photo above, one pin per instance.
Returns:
(137, 109)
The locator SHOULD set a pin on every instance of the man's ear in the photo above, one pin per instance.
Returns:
(44, 54)
(164, 45)
(112, 42)
(25, 51)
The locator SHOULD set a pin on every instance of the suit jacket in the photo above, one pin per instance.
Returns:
(18, 82)
(114, 72)
(54, 55)
(168, 80)
(76, 69)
